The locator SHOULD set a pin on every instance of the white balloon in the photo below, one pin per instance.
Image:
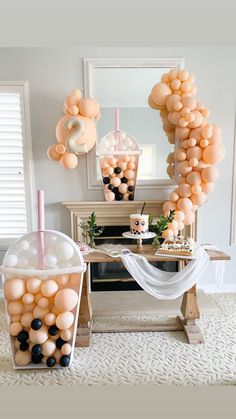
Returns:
(22, 262)
(122, 135)
(11, 261)
(32, 251)
(50, 260)
(23, 245)
(51, 239)
(64, 250)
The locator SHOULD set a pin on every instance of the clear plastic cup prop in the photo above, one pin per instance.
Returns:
(42, 281)
(118, 154)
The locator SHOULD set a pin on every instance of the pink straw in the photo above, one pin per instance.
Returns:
(41, 228)
(117, 127)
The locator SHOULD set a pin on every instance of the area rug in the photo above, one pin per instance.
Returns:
(142, 358)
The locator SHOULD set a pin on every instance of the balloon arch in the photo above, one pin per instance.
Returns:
(198, 146)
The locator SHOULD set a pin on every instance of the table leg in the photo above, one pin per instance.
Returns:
(84, 329)
(190, 311)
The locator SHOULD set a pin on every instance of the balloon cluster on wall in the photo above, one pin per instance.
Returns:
(76, 130)
(198, 146)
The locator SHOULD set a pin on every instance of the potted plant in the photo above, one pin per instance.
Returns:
(159, 226)
(90, 230)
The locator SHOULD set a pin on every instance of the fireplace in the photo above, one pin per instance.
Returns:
(114, 217)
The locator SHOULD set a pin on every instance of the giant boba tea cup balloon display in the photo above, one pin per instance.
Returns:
(76, 130)
(198, 146)
(118, 154)
(42, 281)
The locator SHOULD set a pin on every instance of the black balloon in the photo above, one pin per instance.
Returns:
(106, 180)
(36, 359)
(119, 196)
(36, 350)
(131, 197)
(124, 180)
(24, 346)
(65, 360)
(111, 187)
(51, 361)
(23, 336)
(36, 324)
(131, 188)
(60, 342)
(117, 170)
(53, 330)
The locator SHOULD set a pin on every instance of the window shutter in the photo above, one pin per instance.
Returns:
(13, 218)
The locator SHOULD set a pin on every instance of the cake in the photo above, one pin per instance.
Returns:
(139, 224)
(179, 246)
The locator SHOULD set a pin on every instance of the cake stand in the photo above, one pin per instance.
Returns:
(139, 248)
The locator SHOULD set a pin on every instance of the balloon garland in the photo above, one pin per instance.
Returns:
(76, 130)
(198, 146)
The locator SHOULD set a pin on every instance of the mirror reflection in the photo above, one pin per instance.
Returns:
(128, 89)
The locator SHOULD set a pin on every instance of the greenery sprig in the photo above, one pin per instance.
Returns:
(90, 229)
(161, 223)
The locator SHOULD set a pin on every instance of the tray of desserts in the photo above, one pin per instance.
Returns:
(183, 247)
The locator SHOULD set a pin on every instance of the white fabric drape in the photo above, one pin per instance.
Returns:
(168, 285)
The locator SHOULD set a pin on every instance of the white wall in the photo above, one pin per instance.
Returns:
(53, 72)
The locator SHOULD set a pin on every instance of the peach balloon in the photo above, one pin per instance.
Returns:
(171, 100)
(66, 349)
(180, 225)
(75, 279)
(198, 199)
(204, 143)
(173, 196)
(183, 168)
(49, 288)
(207, 131)
(173, 74)
(189, 102)
(60, 148)
(33, 285)
(61, 131)
(175, 84)
(62, 280)
(22, 358)
(43, 302)
(207, 188)
(192, 142)
(185, 86)
(183, 75)
(184, 190)
(50, 319)
(26, 319)
(66, 334)
(181, 179)
(167, 233)
(52, 153)
(198, 120)
(180, 154)
(193, 162)
(179, 216)
(39, 312)
(182, 133)
(168, 205)
(38, 336)
(89, 107)
(201, 165)
(184, 204)
(154, 105)
(160, 93)
(15, 328)
(15, 307)
(196, 189)
(194, 178)
(189, 217)
(64, 320)
(210, 174)
(177, 106)
(69, 161)
(66, 299)
(194, 152)
(28, 298)
(14, 288)
(214, 154)
(48, 347)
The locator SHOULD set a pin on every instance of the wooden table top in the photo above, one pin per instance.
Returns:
(149, 253)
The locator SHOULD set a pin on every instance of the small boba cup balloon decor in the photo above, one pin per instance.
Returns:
(76, 130)
(118, 154)
(42, 282)
(198, 146)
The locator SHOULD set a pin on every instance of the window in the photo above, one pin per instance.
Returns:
(16, 170)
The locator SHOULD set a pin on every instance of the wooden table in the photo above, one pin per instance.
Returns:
(189, 308)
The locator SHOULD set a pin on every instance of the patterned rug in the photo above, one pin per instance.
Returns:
(142, 358)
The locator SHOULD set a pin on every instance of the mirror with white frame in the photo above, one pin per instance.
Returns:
(126, 84)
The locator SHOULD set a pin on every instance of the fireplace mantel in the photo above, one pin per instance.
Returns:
(112, 213)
